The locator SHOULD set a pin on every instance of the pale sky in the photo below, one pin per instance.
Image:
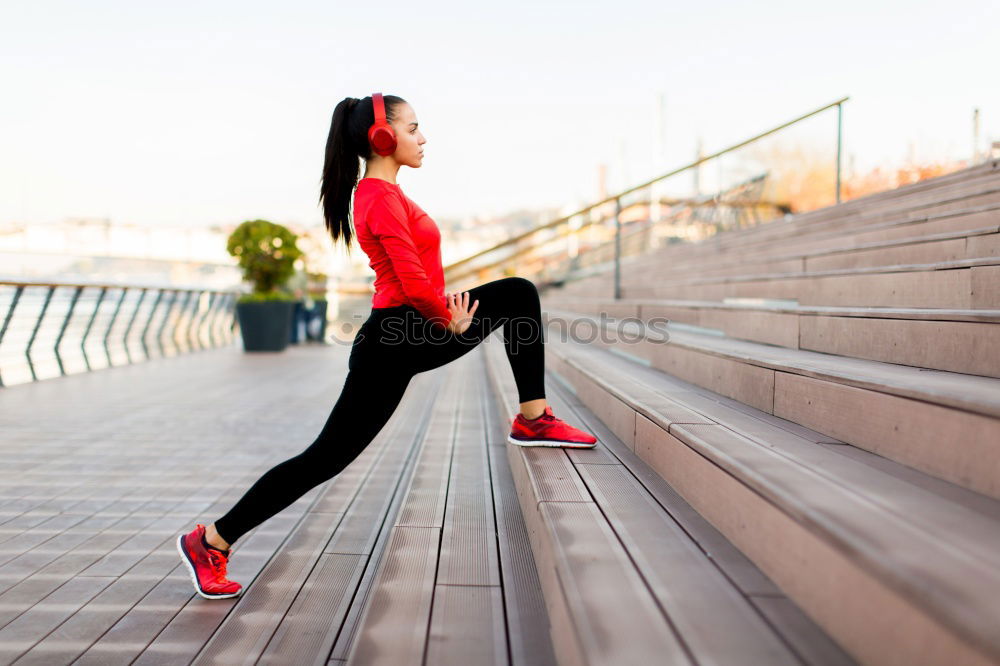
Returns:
(215, 112)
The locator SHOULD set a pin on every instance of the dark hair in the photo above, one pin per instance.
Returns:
(346, 145)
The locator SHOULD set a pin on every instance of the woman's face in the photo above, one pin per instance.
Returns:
(409, 140)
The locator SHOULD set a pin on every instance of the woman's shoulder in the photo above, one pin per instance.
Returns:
(374, 189)
(369, 192)
(376, 205)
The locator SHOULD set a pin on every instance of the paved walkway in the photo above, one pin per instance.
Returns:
(417, 550)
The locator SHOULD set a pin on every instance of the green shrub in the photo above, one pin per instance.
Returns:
(267, 253)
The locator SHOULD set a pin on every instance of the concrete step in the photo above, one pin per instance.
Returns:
(959, 214)
(897, 566)
(964, 341)
(624, 562)
(962, 284)
(969, 235)
(944, 424)
(937, 194)
(967, 202)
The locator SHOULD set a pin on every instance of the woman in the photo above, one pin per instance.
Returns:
(414, 326)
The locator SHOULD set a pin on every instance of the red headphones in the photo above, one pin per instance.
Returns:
(381, 135)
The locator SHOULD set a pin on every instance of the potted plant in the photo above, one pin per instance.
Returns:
(267, 254)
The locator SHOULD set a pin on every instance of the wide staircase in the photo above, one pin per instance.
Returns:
(800, 467)
(803, 465)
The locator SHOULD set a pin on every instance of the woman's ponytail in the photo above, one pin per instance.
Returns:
(341, 167)
(346, 145)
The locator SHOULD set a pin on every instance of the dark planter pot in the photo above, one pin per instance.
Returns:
(318, 312)
(265, 325)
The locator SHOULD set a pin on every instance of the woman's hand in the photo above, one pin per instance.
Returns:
(461, 318)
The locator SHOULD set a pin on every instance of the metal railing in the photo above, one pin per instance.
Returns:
(53, 329)
(563, 236)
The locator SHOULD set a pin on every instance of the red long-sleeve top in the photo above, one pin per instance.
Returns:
(403, 245)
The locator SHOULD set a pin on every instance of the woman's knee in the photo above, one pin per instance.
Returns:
(524, 288)
(522, 283)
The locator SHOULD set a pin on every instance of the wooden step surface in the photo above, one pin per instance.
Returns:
(963, 341)
(899, 412)
(610, 535)
(918, 247)
(897, 566)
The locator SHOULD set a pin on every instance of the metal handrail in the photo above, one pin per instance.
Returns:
(190, 319)
(617, 199)
(690, 202)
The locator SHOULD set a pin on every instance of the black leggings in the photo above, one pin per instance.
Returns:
(391, 346)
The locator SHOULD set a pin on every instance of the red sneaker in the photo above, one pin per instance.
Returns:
(207, 566)
(547, 430)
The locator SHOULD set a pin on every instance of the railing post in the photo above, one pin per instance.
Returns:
(618, 248)
(131, 321)
(90, 324)
(204, 316)
(840, 134)
(199, 322)
(149, 322)
(111, 324)
(62, 330)
(193, 320)
(10, 315)
(166, 320)
(212, 319)
(182, 318)
(181, 312)
(231, 317)
(34, 331)
(220, 319)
